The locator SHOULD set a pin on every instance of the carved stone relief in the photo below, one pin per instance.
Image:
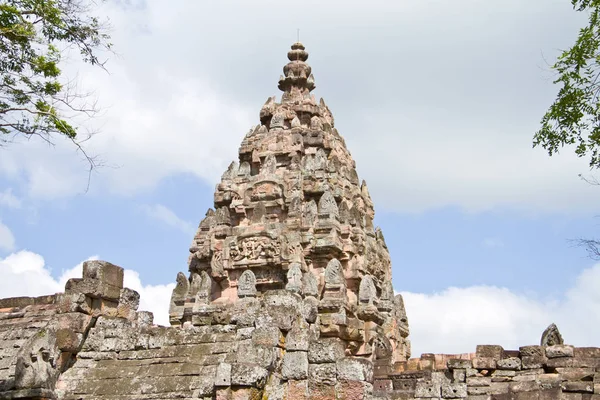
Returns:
(367, 293)
(334, 274)
(328, 206)
(294, 278)
(551, 336)
(309, 285)
(247, 284)
(253, 249)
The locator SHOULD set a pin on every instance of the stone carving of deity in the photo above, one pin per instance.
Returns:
(204, 293)
(234, 251)
(278, 120)
(294, 278)
(320, 160)
(223, 217)
(310, 213)
(247, 284)
(244, 169)
(269, 166)
(367, 293)
(334, 274)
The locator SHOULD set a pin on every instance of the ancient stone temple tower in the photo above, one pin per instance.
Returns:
(292, 215)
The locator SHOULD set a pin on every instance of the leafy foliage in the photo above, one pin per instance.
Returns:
(34, 35)
(574, 117)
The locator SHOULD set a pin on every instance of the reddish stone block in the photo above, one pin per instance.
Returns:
(297, 390)
(321, 392)
(223, 394)
(351, 390)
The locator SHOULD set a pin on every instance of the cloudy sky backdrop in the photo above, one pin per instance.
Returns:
(438, 102)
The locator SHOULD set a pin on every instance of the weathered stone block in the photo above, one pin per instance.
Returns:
(576, 374)
(404, 384)
(383, 386)
(570, 396)
(68, 340)
(484, 363)
(262, 356)
(559, 350)
(501, 373)
(523, 378)
(129, 301)
(320, 391)
(586, 352)
(428, 390)
(573, 362)
(499, 388)
(267, 336)
(310, 309)
(527, 386)
(454, 390)
(326, 350)
(223, 376)
(324, 374)
(578, 387)
(248, 375)
(104, 271)
(244, 393)
(513, 363)
(93, 288)
(298, 339)
(353, 390)
(355, 369)
(144, 318)
(489, 351)
(532, 351)
(533, 362)
(297, 390)
(244, 333)
(275, 388)
(295, 365)
(454, 363)
(459, 375)
(478, 391)
(479, 381)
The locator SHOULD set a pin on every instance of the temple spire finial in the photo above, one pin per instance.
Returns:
(297, 79)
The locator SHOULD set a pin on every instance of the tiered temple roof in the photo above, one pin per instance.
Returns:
(291, 213)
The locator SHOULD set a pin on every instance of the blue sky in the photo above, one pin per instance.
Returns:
(438, 105)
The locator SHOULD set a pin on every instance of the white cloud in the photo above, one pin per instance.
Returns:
(25, 274)
(7, 240)
(167, 216)
(451, 127)
(9, 200)
(457, 319)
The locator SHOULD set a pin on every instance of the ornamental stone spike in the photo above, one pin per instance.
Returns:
(298, 77)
